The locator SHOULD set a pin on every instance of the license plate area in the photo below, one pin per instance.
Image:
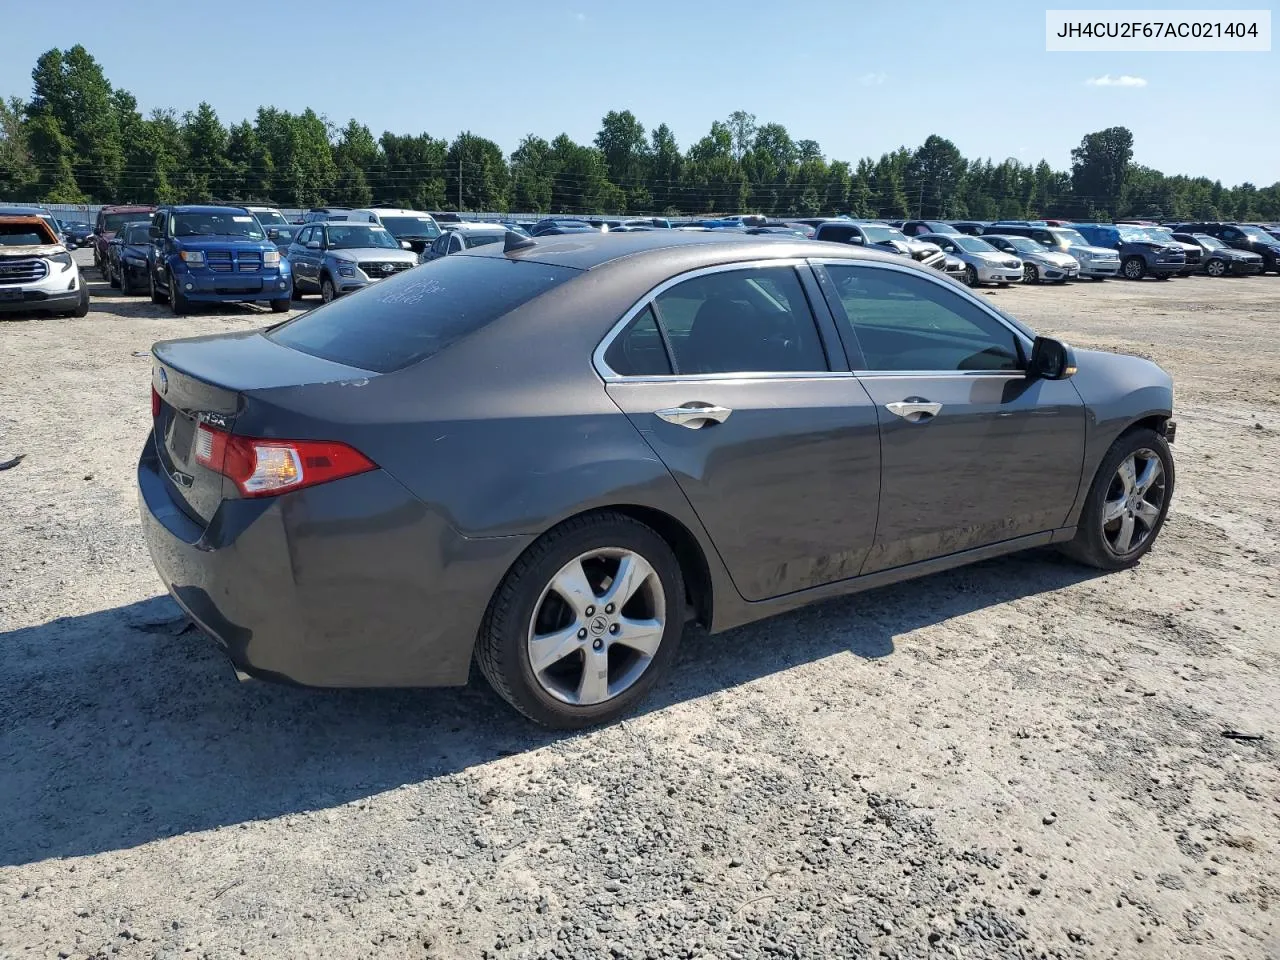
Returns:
(10, 294)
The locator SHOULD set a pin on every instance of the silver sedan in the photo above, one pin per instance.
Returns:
(983, 262)
(1038, 263)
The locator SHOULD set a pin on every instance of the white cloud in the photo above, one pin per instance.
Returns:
(873, 79)
(1124, 80)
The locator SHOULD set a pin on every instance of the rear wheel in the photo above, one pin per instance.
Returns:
(585, 622)
(1216, 267)
(1134, 268)
(1126, 504)
(177, 299)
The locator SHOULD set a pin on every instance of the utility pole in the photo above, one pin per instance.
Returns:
(920, 201)
(459, 178)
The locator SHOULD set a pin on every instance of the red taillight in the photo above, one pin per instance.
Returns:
(155, 403)
(264, 468)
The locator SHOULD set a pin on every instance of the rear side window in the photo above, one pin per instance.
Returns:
(414, 315)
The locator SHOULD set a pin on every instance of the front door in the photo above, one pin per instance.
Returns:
(726, 375)
(973, 451)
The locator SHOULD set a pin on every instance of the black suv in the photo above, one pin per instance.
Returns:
(1241, 237)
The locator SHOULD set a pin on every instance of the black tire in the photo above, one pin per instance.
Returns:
(970, 276)
(1090, 545)
(280, 306)
(177, 299)
(156, 295)
(502, 650)
(1030, 273)
(82, 308)
(113, 281)
(295, 293)
(1002, 284)
(328, 289)
(1133, 268)
(1216, 267)
(1097, 279)
(126, 285)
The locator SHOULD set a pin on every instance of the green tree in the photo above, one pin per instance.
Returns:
(70, 89)
(476, 175)
(18, 177)
(1099, 167)
(205, 141)
(665, 168)
(532, 180)
(936, 173)
(413, 168)
(622, 142)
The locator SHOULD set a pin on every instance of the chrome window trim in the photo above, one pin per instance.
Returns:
(964, 292)
(609, 375)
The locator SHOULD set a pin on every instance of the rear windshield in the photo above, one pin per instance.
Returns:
(414, 315)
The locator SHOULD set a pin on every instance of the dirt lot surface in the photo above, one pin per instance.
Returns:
(1018, 759)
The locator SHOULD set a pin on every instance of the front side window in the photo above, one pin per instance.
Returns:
(904, 322)
(753, 320)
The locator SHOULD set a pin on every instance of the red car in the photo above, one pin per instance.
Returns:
(110, 219)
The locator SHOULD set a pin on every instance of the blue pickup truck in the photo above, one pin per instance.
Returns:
(207, 254)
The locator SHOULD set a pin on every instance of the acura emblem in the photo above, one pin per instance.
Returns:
(164, 381)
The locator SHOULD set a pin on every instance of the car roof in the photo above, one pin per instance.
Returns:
(687, 250)
(205, 208)
(127, 207)
(398, 211)
(478, 227)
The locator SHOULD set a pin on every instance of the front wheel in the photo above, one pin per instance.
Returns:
(1030, 273)
(177, 299)
(1126, 504)
(971, 276)
(113, 279)
(1134, 268)
(1216, 268)
(585, 622)
(156, 295)
(328, 293)
(126, 284)
(280, 306)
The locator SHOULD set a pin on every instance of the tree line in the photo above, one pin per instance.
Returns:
(78, 139)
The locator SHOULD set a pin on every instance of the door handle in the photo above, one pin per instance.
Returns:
(694, 415)
(914, 411)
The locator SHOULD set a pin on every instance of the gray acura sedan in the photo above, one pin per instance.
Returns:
(551, 454)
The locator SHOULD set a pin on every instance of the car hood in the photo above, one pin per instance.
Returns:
(32, 250)
(1051, 257)
(1231, 253)
(374, 253)
(1095, 251)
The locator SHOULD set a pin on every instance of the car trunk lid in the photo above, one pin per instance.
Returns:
(209, 380)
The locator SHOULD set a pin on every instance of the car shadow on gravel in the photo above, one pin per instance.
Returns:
(123, 726)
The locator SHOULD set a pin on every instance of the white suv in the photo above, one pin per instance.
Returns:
(414, 229)
(38, 273)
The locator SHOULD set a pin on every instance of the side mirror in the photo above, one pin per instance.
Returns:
(1051, 359)
(313, 245)
(273, 233)
(154, 232)
(1119, 245)
(406, 245)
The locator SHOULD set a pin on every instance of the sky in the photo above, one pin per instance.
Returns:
(859, 77)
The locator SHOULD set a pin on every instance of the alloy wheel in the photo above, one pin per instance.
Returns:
(1029, 273)
(597, 626)
(1133, 269)
(1134, 502)
(1215, 268)
(971, 276)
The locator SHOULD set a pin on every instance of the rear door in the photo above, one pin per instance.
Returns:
(973, 451)
(727, 374)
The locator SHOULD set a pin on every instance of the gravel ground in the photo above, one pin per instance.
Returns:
(1018, 759)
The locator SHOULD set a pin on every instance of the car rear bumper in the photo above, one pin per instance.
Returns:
(351, 584)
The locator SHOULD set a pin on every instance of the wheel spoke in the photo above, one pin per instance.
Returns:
(1113, 510)
(1150, 474)
(572, 585)
(633, 571)
(1124, 539)
(594, 685)
(1126, 474)
(643, 636)
(1148, 514)
(549, 649)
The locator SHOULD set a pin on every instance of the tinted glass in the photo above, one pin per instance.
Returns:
(137, 233)
(1070, 237)
(973, 244)
(741, 321)
(269, 218)
(416, 314)
(639, 351)
(480, 239)
(411, 228)
(229, 224)
(112, 222)
(906, 322)
(22, 235)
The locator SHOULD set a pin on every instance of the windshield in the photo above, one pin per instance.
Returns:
(114, 221)
(269, 218)
(137, 233)
(946, 229)
(1161, 234)
(973, 244)
(285, 234)
(1209, 243)
(1072, 238)
(359, 235)
(411, 228)
(22, 235)
(1257, 233)
(878, 233)
(1023, 244)
(216, 225)
(1135, 235)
